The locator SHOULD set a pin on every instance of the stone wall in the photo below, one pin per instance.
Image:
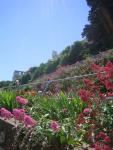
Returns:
(7, 131)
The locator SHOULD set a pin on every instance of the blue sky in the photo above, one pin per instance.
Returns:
(31, 29)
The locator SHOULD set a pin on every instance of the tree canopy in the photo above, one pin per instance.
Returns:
(99, 31)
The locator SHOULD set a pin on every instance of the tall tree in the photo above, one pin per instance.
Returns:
(99, 31)
(54, 54)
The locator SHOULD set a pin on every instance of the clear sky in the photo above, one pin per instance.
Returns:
(31, 29)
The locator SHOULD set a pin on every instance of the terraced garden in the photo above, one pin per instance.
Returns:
(80, 117)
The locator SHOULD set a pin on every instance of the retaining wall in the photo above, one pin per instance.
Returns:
(7, 131)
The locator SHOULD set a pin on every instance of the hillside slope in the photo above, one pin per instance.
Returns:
(78, 68)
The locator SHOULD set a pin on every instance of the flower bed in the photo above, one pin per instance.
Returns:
(85, 121)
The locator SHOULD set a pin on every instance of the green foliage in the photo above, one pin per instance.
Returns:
(56, 108)
(5, 83)
(32, 69)
(99, 30)
(64, 59)
(8, 100)
(54, 55)
(106, 119)
(39, 71)
(25, 78)
(51, 66)
(76, 52)
(45, 109)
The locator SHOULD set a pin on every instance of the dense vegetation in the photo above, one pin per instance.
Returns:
(70, 55)
(65, 121)
(99, 35)
(76, 52)
(72, 114)
(99, 31)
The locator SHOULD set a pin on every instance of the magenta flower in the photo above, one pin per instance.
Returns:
(101, 135)
(84, 95)
(86, 110)
(29, 122)
(5, 113)
(21, 100)
(108, 84)
(19, 114)
(54, 126)
(110, 94)
(107, 139)
(101, 146)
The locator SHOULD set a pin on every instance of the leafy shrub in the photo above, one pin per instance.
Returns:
(8, 100)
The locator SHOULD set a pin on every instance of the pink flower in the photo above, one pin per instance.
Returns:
(95, 67)
(102, 95)
(108, 84)
(107, 139)
(5, 113)
(84, 95)
(29, 122)
(19, 114)
(110, 94)
(101, 135)
(87, 82)
(106, 147)
(81, 119)
(54, 126)
(109, 69)
(21, 100)
(86, 110)
(101, 146)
